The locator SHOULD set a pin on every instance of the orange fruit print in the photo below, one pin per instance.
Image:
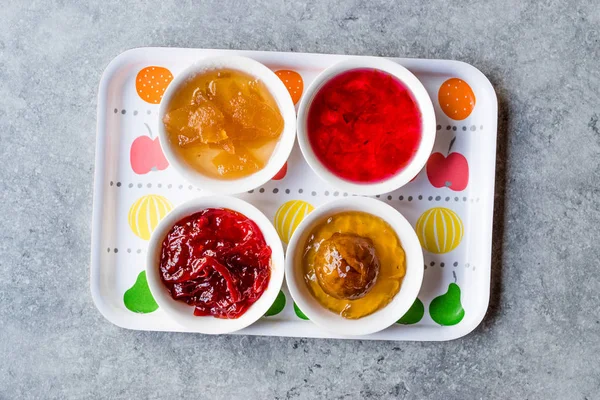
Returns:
(151, 82)
(293, 82)
(456, 99)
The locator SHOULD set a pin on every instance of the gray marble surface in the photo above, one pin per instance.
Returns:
(541, 336)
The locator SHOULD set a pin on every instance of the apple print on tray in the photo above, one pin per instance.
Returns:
(281, 174)
(451, 171)
(146, 154)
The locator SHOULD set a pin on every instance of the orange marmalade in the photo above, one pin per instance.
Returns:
(224, 123)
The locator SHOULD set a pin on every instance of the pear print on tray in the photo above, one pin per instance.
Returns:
(447, 309)
(138, 298)
(278, 305)
(414, 314)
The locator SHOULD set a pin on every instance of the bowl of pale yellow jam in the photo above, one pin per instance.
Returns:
(227, 124)
(354, 266)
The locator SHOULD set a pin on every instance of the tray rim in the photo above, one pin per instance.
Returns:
(444, 334)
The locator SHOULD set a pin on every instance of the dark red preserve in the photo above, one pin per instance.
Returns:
(216, 260)
(364, 125)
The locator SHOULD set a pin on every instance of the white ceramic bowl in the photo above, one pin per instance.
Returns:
(427, 134)
(182, 313)
(282, 149)
(380, 319)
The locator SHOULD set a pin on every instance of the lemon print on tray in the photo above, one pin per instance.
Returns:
(288, 217)
(146, 213)
(440, 230)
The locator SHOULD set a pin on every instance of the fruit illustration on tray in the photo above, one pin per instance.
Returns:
(138, 298)
(440, 230)
(145, 214)
(456, 98)
(451, 171)
(288, 217)
(293, 83)
(447, 309)
(414, 314)
(281, 174)
(277, 306)
(299, 313)
(146, 154)
(151, 83)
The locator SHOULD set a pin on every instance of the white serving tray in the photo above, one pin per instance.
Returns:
(118, 253)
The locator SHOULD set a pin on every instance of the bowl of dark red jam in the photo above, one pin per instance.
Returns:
(366, 125)
(215, 264)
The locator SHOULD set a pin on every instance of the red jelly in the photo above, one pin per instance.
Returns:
(216, 260)
(364, 125)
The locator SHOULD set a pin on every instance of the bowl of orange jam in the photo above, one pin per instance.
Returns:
(227, 124)
(354, 266)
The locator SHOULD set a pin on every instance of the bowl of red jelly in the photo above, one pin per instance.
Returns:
(366, 125)
(215, 264)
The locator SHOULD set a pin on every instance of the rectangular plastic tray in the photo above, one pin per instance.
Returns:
(118, 253)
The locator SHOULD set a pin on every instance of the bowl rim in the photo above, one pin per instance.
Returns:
(282, 150)
(182, 313)
(428, 129)
(380, 319)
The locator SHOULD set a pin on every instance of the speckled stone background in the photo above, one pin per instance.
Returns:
(541, 337)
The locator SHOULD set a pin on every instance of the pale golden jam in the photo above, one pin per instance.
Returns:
(224, 123)
(370, 231)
